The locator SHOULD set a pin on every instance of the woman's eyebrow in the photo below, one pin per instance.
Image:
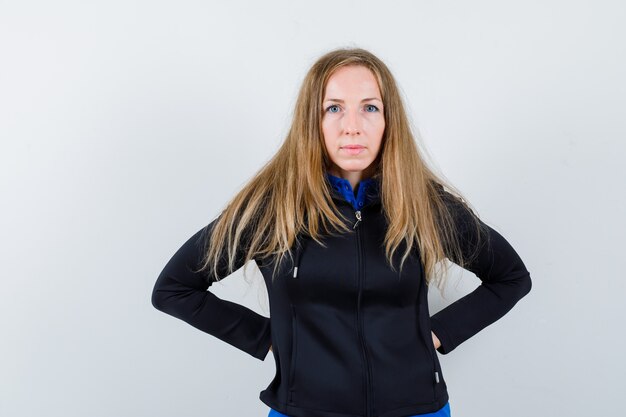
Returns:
(338, 100)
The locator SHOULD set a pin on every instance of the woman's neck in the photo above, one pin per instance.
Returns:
(353, 177)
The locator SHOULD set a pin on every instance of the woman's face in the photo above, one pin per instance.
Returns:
(353, 121)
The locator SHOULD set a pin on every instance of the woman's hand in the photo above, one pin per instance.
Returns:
(436, 341)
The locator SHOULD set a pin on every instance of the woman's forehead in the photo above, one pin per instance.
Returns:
(352, 81)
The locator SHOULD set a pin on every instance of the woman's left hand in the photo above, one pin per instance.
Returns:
(436, 341)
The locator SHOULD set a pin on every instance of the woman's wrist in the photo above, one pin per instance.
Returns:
(436, 340)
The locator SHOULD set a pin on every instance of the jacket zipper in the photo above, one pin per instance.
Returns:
(368, 408)
(358, 218)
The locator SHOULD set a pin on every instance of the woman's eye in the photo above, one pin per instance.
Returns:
(332, 109)
(371, 108)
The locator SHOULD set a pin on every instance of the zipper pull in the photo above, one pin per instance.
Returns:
(437, 377)
(358, 218)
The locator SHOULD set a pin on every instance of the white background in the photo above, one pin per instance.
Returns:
(126, 125)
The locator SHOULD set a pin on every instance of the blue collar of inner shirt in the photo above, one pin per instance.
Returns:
(366, 190)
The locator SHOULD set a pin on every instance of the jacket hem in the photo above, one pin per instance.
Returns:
(268, 398)
(418, 408)
(263, 348)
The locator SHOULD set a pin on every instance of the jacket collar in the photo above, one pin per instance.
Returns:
(368, 190)
(368, 193)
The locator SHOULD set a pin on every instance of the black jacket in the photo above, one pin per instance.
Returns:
(350, 337)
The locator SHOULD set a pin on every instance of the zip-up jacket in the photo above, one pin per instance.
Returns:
(350, 337)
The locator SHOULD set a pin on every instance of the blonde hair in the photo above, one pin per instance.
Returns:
(289, 194)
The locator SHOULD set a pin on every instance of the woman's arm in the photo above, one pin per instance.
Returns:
(183, 294)
(504, 281)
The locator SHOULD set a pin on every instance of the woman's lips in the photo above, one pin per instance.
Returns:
(353, 149)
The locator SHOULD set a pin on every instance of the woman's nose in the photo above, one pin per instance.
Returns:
(351, 123)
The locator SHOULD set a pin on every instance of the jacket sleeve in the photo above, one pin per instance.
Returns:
(182, 293)
(504, 281)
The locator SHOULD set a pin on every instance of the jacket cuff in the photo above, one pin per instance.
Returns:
(447, 345)
(265, 341)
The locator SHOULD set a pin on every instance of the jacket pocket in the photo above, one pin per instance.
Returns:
(294, 352)
(425, 322)
(430, 347)
(437, 376)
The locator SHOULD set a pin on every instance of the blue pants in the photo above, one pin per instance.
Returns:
(442, 412)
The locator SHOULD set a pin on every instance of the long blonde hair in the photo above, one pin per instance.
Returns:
(289, 194)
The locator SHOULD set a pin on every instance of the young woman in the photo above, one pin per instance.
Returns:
(349, 228)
